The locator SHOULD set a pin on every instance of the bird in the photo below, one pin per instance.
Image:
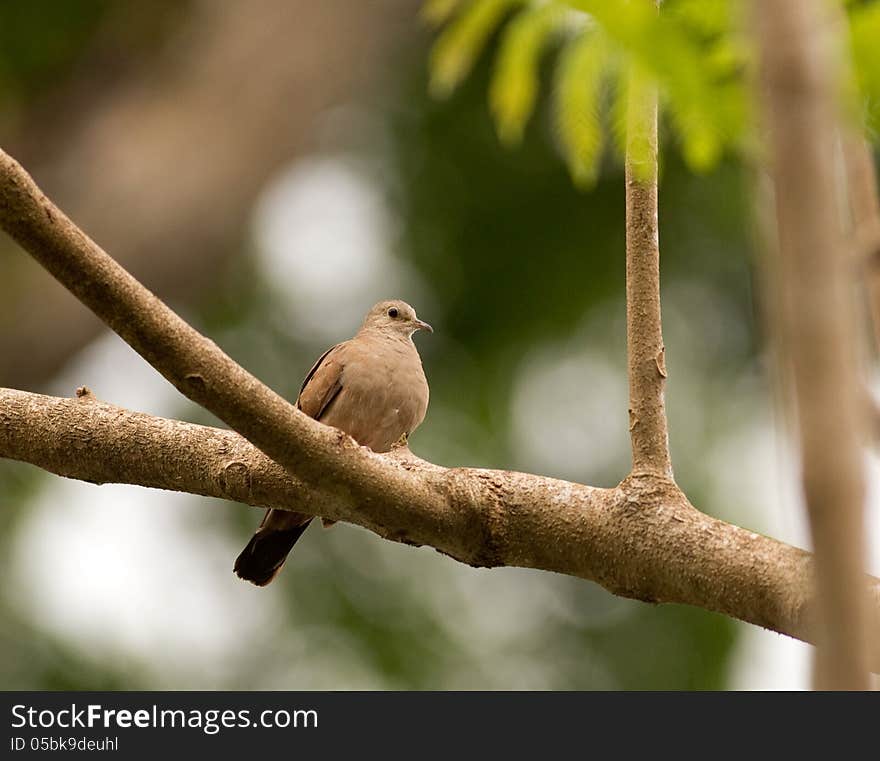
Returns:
(372, 387)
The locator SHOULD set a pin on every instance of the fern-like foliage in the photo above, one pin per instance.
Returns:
(515, 83)
(463, 39)
(580, 77)
(695, 52)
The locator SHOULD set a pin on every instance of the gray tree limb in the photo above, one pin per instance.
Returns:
(641, 539)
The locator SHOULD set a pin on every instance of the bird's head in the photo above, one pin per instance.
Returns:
(394, 317)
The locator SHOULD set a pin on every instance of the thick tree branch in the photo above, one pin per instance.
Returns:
(90, 440)
(641, 540)
(800, 104)
(645, 352)
(194, 364)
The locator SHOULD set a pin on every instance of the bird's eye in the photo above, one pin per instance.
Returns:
(393, 312)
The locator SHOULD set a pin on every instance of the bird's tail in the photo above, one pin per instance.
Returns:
(267, 550)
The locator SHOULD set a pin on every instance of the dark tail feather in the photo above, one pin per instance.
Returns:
(267, 550)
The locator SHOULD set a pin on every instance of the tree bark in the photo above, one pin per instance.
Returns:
(800, 105)
(640, 539)
(645, 351)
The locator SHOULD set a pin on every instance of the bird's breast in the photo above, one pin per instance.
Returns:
(384, 395)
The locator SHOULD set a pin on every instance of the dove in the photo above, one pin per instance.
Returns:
(373, 387)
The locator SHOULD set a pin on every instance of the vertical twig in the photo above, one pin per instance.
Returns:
(645, 352)
(799, 105)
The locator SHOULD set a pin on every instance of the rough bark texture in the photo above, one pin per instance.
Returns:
(194, 364)
(800, 104)
(646, 354)
(641, 539)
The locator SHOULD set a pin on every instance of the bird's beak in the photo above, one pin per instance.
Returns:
(421, 325)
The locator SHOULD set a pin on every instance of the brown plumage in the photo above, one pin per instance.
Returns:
(373, 388)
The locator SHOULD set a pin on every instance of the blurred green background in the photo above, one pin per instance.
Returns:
(272, 169)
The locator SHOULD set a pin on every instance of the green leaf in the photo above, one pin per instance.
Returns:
(663, 49)
(865, 43)
(514, 86)
(462, 41)
(708, 17)
(437, 12)
(618, 111)
(728, 55)
(693, 51)
(701, 143)
(578, 100)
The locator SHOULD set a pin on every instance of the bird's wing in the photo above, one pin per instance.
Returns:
(323, 382)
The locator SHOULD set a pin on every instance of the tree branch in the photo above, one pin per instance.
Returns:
(800, 104)
(92, 441)
(641, 540)
(644, 338)
(194, 364)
